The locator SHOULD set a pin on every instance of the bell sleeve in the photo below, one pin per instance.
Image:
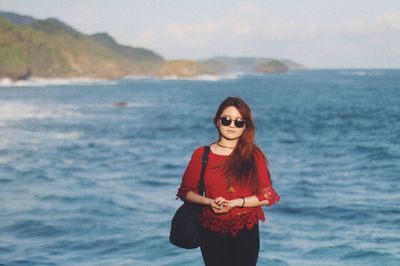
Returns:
(267, 191)
(191, 176)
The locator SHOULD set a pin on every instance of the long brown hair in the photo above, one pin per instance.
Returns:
(241, 167)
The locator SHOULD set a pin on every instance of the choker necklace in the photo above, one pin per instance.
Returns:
(224, 146)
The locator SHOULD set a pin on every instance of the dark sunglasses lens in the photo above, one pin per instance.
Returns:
(225, 121)
(239, 123)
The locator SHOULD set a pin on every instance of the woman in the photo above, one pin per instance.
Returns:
(237, 184)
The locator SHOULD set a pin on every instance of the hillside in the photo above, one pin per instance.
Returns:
(248, 64)
(50, 48)
(273, 66)
(184, 69)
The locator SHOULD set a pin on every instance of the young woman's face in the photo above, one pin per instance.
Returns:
(231, 131)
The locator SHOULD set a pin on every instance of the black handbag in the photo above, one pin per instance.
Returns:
(185, 225)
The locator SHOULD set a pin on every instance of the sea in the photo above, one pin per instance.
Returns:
(89, 169)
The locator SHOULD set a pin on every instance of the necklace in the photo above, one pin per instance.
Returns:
(225, 146)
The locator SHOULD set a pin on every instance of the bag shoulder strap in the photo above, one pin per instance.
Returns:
(204, 161)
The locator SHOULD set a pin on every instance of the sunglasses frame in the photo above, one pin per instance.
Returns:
(235, 121)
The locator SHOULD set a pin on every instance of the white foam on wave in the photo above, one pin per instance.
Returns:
(363, 73)
(41, 82)
(128, 77)
(67, 135)
(4, 142)
(82, 81)
(4, 160)
(230, 75)
(358, 73)
(18, 110)
(139, 104)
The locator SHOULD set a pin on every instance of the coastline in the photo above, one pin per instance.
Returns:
(82, 81)
(40, 82)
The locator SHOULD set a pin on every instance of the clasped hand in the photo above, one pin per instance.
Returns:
(221, 205)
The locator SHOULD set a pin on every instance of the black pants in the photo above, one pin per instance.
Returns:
(220, 249)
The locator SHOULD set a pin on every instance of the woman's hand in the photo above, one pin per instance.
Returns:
(219, 205)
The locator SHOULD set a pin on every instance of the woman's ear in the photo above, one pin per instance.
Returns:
(218, 123)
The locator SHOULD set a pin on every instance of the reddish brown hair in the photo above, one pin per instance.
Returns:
(241, 168)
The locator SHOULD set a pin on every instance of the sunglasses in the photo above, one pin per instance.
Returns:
(227, 121)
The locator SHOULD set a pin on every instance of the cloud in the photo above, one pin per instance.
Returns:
(144, 39)
(353, 26)
(252, 30)
(390, 20)
(234, 26)
(244, 23)
(191, 35)
(245, 29)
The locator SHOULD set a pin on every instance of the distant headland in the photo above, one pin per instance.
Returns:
(49, 48)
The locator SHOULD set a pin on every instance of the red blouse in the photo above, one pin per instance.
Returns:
(216, 186)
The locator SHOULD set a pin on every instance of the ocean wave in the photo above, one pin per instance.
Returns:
(365, 254)
(331, 249)
(227, 76)
(4, 160)
(34, 228)
(41, 82)
(127, 104)
(18, 110)
(363, 73)
(82, 81)
(67, 135)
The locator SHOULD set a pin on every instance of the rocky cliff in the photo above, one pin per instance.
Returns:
(273, 66)
(50, 48)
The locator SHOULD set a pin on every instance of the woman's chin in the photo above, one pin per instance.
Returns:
(230, 136)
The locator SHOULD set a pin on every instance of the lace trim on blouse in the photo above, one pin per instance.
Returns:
(232, 226)
(269, 194)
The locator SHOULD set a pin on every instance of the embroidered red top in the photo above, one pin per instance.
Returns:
(216, 186)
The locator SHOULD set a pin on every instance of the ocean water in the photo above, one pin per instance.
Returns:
(84, 181)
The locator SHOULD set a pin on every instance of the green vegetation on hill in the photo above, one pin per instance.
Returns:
(273, 66)
(183, 68)
(247, 64)
(50, 48)
(52, 26)
(17, 19)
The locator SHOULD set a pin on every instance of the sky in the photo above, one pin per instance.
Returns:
(316, 33)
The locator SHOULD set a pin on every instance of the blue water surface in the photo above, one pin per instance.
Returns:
(85, 182)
